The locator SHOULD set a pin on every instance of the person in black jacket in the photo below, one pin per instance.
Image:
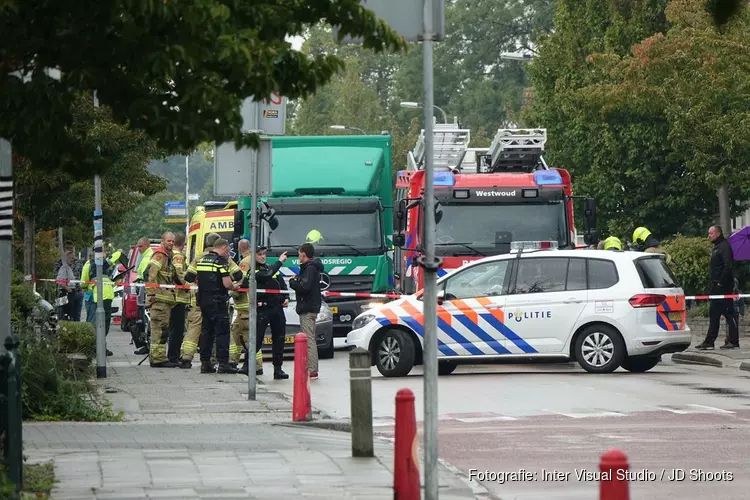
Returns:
(721, 276)
(271, 309)
(307, 288)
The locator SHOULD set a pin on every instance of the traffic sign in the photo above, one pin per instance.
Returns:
(175, 209)
(175, 220)
(270, 115)
(233, 169)
(194, 196)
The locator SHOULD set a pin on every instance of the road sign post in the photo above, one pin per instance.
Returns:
(423, 20)
(6, 238)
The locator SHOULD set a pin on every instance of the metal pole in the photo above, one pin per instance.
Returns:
(253, 294)
(6, 238)
(101, 342)
(60, 245)
(187, 196)
(430, 275)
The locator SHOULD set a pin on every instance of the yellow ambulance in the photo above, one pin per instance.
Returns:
(211, 217)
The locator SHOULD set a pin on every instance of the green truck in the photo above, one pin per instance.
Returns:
(337, 189)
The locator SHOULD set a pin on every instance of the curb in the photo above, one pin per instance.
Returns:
(745, 366)
(686, 358)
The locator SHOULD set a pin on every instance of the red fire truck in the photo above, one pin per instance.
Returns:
(485, 200)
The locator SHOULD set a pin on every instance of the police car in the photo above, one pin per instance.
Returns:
(604, 309)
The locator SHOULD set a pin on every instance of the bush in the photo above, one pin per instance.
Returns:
(700, 310)
(690, 259)
(77, 338)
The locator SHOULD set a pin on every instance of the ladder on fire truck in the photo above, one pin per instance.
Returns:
(515, 150)
(449, 145)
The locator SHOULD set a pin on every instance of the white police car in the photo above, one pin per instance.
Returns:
(604, 309)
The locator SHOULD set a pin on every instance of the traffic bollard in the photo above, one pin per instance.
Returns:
(406, 467)
(613, 465)
(302, 406)
(360, 387)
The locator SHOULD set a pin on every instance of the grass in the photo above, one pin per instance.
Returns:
(38, 481)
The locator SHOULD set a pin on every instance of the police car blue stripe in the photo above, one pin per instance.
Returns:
(455, 335)
(414, 324)
(476, 330)
(509, 334)
(441, 272)
(660, 322)
(384, 322)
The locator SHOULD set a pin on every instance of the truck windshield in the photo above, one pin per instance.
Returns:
(342, 233)
(467, 229)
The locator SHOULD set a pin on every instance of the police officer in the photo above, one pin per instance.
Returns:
(214, 281)
(271, 309)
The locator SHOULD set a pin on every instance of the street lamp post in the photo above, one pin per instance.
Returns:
(346, 127)
(417, 105)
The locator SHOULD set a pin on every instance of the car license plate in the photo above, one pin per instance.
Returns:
(675, 316)
(334, 309)
(288, 339)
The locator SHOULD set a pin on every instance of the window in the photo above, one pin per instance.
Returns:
(602, 274)
(655, 273)
(576, 275)
(542, 274)
(483, 280)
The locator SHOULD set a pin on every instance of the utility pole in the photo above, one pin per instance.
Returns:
(429, 266)
(6, 238)
(101, 342)
(253, 293)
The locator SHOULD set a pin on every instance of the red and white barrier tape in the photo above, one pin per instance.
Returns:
(360, 295)
(718, 297)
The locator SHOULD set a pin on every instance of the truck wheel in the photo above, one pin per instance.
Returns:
(394, 353)
(640, 365)
(446, 367)
(599, 349)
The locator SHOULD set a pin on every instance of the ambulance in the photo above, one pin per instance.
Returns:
(211, 217)
(604, 309)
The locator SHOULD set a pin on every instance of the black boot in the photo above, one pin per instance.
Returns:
(227, 368)
(186, 364)
(278, 374)
(245, 369)
(207, 367)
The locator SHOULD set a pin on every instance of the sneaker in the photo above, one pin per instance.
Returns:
(730, 346)
(703, 346)
(313, 375)
(280, 375)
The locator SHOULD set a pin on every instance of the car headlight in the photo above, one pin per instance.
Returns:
(371, 305)
(362, 320)
(325, 314)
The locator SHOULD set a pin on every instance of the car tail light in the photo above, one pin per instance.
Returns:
(647, 300)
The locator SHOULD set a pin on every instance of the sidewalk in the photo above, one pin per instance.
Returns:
(730, 358)
(188, 435)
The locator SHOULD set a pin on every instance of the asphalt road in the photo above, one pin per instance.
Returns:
(553, 421)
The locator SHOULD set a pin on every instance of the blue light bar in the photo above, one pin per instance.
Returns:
(544, 177)
(444, 179)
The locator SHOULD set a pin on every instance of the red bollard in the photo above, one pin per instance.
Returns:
(406, 466)
(301, 405)
(615, 464)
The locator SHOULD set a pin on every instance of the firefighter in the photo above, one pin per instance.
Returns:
(646, 242)
(271, 309)
(182, 300)
(160, 270)
(214, 281)
(612, 243)
(314, 237)
(240, 333)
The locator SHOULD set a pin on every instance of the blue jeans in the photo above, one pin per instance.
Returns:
(91, 312)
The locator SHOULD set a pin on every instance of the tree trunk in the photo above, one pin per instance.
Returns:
(29, 248)
(724, 216)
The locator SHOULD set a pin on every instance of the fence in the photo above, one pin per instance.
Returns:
(11, 418)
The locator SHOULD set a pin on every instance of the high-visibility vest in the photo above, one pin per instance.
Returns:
(108, 288)
(145, 259)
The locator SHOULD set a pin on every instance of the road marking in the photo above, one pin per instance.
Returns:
(587, 415)
(471, 418)
(712, 409)
(703, 409)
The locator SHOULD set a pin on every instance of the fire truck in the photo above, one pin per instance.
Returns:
(485, 199)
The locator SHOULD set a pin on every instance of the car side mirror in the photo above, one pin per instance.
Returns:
(399, 217)
(589, 221)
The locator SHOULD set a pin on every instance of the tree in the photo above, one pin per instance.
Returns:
(698, 81)
(177, 71)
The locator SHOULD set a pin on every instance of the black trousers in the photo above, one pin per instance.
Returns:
(215, 317)
(176, 332)
(717, 309)
(273, 316)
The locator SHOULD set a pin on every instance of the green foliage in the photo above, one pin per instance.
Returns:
(174, 70)
(76, 337)
(38, 481)
(22, 299)
(700, 310)
(691, 257)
